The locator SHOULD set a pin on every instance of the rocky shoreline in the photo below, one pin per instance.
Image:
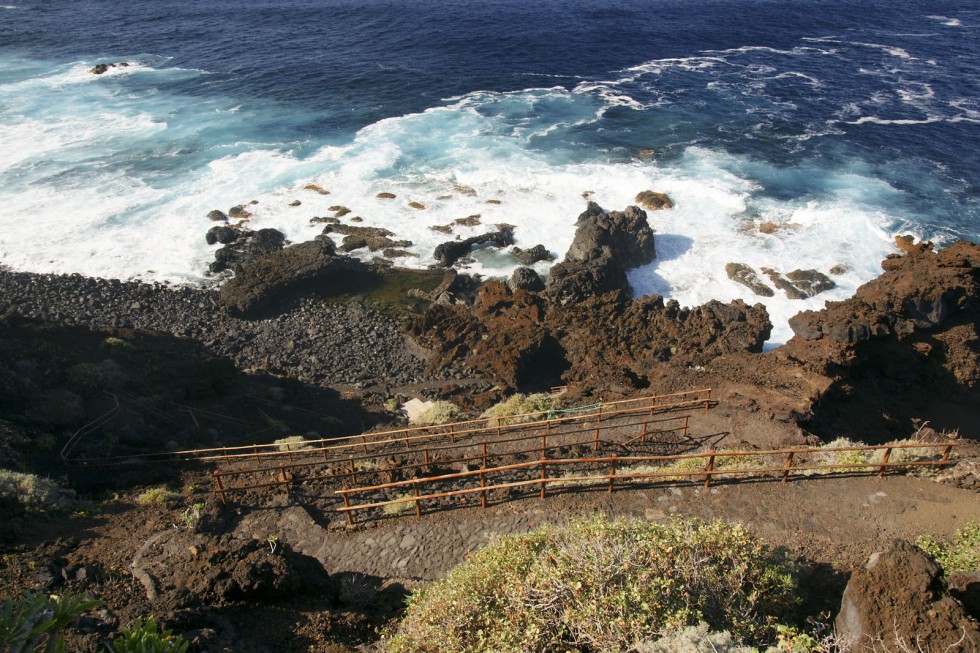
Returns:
(347, 344)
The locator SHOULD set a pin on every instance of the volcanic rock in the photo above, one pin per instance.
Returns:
(899, 599)
(525, 279)
(574, 280)
(224, 235)
(654, 201)
(810, 282)
(745, 275)
(532, 255)
(217, 216)
(449, 252)
(263, 283)
(625, 233)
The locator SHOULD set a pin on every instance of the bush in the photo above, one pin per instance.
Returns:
(156, 496)
(441, 412)
(143, 637)
(683, 467)
(32, 492)
(600, 586)
(35, 620)
(531, 407)
(960, 554)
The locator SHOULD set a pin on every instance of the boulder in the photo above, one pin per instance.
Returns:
(449, 252)
(574, 280)
(239, 212)
(898, 600)
(217, 216)
(224, 235)
(745, 275)
(265, 282)
(525, 279)
(810, 282)
(653, 200)
(533, 255)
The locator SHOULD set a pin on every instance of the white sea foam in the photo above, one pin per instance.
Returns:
(948, 22)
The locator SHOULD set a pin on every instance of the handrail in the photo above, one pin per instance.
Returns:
(617, 473)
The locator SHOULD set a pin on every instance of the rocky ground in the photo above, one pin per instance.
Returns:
(298, 345)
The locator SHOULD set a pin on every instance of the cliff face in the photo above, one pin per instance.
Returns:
(905, 347)
(904, 350)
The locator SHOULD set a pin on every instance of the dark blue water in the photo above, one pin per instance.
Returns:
(847, 122)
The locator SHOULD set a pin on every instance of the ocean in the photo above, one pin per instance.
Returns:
(789, 135)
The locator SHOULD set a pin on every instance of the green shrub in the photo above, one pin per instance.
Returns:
(32, 492)
(962, 553)
(156, 496)
(143, 637)
(530, 407)
(36, 622)
(600, 586)
(441, 412)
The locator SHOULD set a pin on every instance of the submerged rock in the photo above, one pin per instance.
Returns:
(653, 200)
(811, 282)
(745, 275)
(449, 252)
(532, 255)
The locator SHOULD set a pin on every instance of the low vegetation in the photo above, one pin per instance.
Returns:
(962, 553)
(292, 443)
(530, 407)
(156, 496)
(145, 637)
(33, 492)
(441, 412)
(36, 622)
(598, 585)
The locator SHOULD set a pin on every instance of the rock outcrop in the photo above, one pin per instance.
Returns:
(905, 346)
(263, 283)
(606, 244)
(585, 327)
(900, 600)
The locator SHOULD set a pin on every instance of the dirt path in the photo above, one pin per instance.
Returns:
(836, 521)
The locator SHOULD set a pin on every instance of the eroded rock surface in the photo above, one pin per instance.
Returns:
(899, 599)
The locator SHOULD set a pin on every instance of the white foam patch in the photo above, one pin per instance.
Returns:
(947, 21)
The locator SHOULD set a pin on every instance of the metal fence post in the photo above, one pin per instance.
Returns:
(612, 473)
(884, 462)
(710, 469)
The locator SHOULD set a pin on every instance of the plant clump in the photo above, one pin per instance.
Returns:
(962, 553)
(292, 443)
(145, 637)
(33, 492)
(441, 412)
(156, 496)
(598, 585)
(521, 408)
